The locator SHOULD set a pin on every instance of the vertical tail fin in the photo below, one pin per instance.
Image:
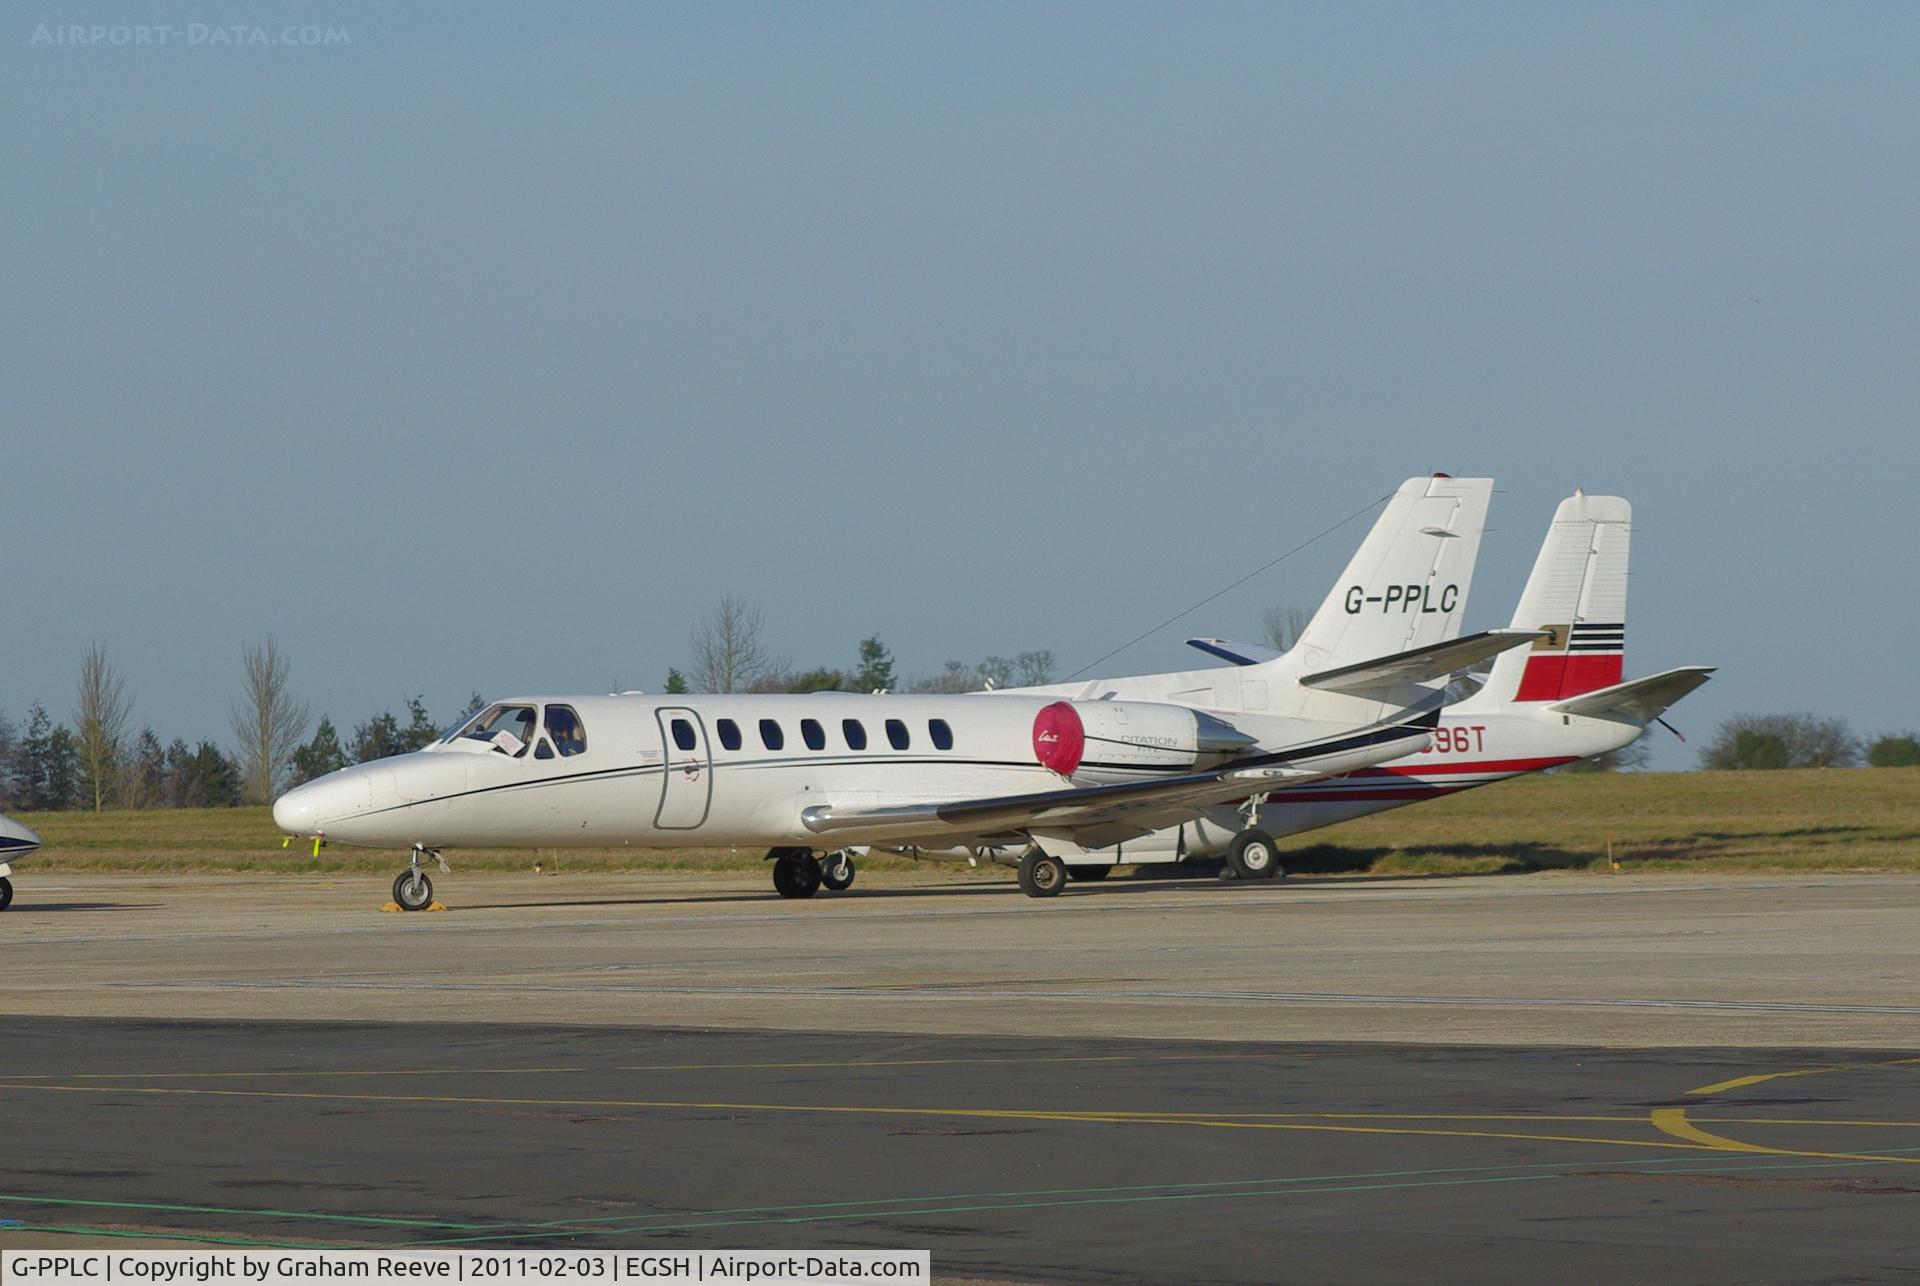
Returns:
(1406, 586)
(1578, 591)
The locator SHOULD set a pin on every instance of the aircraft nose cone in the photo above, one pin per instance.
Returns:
(16, 839)
(294, 812)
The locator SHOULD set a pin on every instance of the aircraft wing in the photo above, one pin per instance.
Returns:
(1643, 699)
(1435, 661)
(1142, 805)
(1059, 809)
(1238, 653)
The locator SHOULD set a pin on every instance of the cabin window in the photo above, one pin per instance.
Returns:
(942, 735)
(813, 734)
(683, 735)
(770, 735)
(729, 733)
(508, 729)
(855, 734)
(568, 733)
(897, 735)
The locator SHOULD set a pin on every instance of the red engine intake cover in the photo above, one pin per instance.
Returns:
(1059, 738)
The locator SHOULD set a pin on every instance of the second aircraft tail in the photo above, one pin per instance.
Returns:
(1577, 595)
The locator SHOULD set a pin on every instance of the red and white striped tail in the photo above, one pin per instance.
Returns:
(1590, 657)
(1578, 594)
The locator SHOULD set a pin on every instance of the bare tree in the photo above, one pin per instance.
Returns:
(1285, 625)
(957, 677)
(1035, 668)
(728, 655)
(100, 717)
(269, 723)
(996, 672)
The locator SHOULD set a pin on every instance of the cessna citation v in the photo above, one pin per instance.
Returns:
(16, 840)
(1560, 701)
(1017, 778)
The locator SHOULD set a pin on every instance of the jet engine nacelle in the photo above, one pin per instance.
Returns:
(1113, 740)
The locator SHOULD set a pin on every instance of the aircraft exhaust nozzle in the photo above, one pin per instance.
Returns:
(1092, 740)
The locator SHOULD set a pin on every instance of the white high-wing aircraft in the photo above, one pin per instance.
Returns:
(1012, 777)
(1560, 701)
(16, 840)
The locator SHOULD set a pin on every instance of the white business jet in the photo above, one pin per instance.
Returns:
(16, 841)
(1015, 778)
(1560, 701)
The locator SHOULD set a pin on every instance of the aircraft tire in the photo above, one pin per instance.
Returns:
(837, 872)
(6, 892)
(796, 877)
(1042, 875)
(1089, 874)
(1253, 855)
(413, 890)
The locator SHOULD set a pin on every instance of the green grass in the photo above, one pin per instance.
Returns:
(1864, 819)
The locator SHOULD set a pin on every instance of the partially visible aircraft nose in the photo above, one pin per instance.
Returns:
(16, 839)
(327, 804)
(296, 811)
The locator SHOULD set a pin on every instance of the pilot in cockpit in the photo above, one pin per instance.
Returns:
(564, 727)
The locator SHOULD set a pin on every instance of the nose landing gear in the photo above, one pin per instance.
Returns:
(412, 888)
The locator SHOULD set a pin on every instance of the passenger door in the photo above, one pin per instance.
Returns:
(686, 760)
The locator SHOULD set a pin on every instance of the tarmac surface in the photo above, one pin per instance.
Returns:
(1631, 1077)
(1829, 961)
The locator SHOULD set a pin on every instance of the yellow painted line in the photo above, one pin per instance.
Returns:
(1808, 1120)
(831, 1109)
(1673, 1121)
(1741, 1082)
(1616, 1119)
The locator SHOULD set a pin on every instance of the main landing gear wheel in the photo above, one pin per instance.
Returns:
(412, 890)
(1089, 874)
(1253, 855)
(1042, 875)
(837, 872)
(6, 892)
(796, 874)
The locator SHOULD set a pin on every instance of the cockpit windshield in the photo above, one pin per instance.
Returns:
(508, 729)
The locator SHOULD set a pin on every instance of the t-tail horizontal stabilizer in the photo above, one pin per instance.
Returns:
(1642, 699)
(1422, 664)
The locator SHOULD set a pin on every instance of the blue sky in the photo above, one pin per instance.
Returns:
(487, 350)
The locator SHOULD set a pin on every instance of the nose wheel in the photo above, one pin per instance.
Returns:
(413, 888)
(6, 892)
